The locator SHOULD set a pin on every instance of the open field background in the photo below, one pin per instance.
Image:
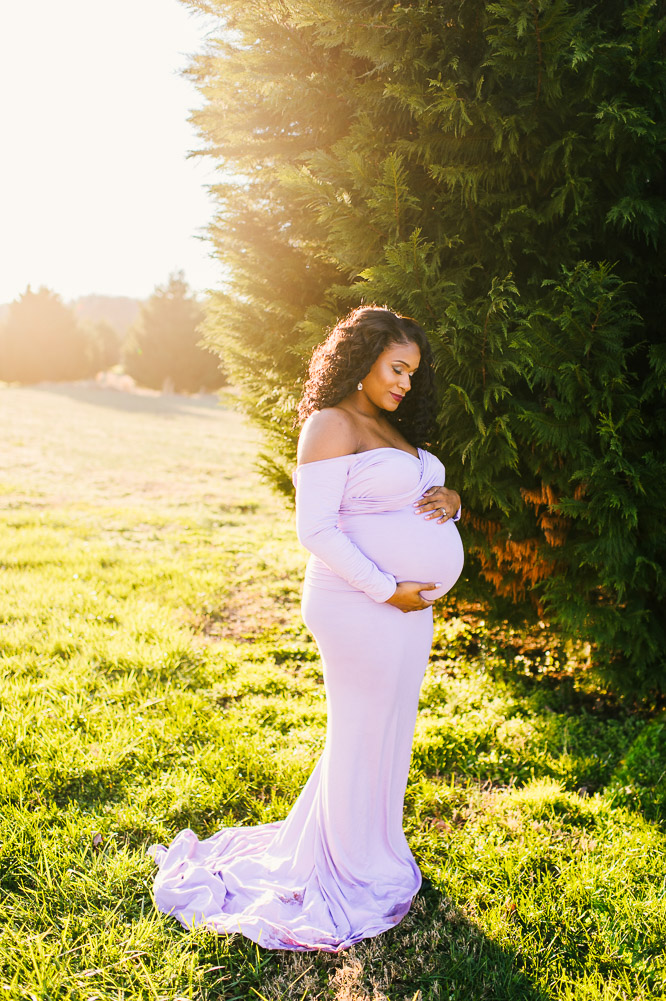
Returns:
(155, 674)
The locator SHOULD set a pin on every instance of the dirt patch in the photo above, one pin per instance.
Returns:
(243, 615)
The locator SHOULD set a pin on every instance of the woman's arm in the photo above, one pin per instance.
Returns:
(325, 450)
(319, 489)
(320, 486)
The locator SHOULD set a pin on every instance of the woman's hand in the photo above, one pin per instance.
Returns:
(407, 596)
(438, 502)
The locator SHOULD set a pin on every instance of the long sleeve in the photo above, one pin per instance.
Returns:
(319, 490)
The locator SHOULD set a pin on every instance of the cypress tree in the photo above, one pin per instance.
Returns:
(163, 347)
(497, 172)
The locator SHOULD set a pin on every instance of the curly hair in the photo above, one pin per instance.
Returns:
(349, 352)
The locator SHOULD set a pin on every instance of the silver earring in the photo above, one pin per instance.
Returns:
(360, 386)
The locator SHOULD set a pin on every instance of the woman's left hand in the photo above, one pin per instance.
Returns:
(438, 502)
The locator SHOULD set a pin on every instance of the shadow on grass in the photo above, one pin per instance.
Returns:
(436, 950)
(145, 402)
(614, 747)
(528, 710)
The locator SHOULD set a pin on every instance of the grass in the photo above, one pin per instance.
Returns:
(155, 674)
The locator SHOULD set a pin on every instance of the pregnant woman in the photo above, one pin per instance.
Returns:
(372, 510)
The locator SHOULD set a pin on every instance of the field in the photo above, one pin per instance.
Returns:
(155, 674)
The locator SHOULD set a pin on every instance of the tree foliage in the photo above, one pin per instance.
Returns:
(42, 340)
(164, 345)
(496, 171)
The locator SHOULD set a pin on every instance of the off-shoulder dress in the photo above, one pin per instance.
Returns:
(338, 869)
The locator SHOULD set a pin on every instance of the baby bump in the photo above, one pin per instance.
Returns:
(409, 546)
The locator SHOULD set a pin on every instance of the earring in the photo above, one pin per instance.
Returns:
(360, 386)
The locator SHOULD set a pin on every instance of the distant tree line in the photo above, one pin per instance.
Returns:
(44, 340)
(497, 171)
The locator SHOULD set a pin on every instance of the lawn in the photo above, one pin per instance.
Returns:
(155, 674)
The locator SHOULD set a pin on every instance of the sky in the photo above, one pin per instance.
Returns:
(97, 194)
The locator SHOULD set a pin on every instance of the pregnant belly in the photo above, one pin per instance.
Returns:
(409, 547)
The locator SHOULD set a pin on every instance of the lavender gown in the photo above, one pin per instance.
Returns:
(338, 869)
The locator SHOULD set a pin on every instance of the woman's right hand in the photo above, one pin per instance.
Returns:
(407, 595)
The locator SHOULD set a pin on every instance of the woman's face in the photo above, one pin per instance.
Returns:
(390, 377)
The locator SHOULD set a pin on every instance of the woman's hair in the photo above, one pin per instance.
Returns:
(343, 360)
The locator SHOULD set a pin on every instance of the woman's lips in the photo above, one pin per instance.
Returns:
(397, 397)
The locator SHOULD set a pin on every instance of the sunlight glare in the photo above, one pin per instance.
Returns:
(97, 194)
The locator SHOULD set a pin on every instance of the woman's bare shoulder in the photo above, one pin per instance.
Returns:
(327, 434)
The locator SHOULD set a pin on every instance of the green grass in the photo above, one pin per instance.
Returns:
(155, 674)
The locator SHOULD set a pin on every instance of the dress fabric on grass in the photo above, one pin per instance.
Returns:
(339, 868)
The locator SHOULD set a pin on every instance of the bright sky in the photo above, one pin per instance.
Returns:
(96, 193)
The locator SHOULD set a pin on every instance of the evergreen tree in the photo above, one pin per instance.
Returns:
(164, 346)
(41, 340)
(476, 166)
(106, 345)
